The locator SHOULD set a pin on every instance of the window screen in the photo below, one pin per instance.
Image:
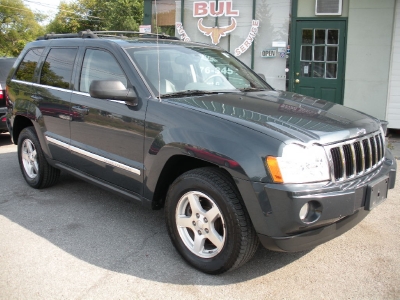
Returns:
(28, 65)
(99, 65)
(57, 69)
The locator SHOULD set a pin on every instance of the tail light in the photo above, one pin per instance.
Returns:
(6, 97)
(1, 93)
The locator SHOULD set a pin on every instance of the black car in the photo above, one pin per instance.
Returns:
(6, 64)
(147, 116)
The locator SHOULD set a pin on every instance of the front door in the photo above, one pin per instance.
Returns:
(319, 59)
(106, 135)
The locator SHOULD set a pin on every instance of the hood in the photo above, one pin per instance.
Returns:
(288, 116)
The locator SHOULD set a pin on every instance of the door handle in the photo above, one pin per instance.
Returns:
(81, 110)
(297, 81)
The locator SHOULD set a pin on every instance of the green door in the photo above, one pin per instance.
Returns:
(319, 59)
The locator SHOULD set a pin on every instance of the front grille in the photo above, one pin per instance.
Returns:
(356, 157)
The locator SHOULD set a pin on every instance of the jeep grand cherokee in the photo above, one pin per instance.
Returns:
(189, 128)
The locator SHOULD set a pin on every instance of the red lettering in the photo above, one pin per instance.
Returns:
(229, 11)
(200, 9)
(221, 9)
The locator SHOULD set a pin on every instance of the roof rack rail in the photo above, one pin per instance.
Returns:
(104, 34)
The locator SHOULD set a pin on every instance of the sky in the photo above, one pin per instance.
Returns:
(48, 7)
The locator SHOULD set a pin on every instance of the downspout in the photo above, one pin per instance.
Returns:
(252, 44)
(182, 10)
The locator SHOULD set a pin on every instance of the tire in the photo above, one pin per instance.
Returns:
(208, 223)
(36, 170)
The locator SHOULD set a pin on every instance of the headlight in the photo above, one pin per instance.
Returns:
(299, 164)
(383, 132)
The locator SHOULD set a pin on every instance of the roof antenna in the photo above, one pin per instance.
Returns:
(158, 54)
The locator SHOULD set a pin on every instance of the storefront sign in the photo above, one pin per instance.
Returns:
(145, 28)
(216, 32)
(182, 33)
(249, 40)
(211, 8)
(268, 53)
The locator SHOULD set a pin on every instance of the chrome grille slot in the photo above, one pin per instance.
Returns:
(356, 157)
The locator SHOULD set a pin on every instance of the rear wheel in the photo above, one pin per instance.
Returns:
(36, 170)
(208, 223)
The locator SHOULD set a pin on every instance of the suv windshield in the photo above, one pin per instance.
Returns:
(171, 70)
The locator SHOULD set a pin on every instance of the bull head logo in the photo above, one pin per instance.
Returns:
(216, 32)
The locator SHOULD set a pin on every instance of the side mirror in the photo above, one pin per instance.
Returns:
(114, 90)
(262, 76)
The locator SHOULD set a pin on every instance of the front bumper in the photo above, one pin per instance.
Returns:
(340, 207)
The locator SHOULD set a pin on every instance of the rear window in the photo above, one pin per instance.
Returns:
(28, 65)
(57, 69)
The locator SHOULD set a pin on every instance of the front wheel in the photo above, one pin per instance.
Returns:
(207, 221)
(36, 170)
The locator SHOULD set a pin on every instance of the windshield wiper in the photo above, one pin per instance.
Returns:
(252, 89)
(190, 93)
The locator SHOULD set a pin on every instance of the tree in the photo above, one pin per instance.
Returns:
(19, 25)
(97, 15)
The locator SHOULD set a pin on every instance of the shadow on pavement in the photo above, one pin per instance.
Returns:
(107, 231)
(5, 139)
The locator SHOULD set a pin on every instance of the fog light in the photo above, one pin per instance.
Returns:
(304, 211)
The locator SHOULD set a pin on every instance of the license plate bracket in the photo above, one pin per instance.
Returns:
(377, 192)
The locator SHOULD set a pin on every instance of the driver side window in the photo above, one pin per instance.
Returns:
(99, 65)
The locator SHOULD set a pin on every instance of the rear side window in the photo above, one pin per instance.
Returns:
(99, 65)
(28, 65)
(57, 69)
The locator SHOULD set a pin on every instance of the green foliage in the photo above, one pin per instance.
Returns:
(97, 15)
(19, 25)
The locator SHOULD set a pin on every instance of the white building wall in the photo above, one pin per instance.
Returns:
(369, 45)
(393, 109)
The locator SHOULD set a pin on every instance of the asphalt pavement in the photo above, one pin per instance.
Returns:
(76, 241)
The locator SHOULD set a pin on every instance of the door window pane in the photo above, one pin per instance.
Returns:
(331, 71)
(307, 36)
(306, 53)
(28, 65)
(333, 36)
(57, 69)
(100, 65)
(305, 69)
(319, 53)
(319, 36)
(319, 70)
(332, 53)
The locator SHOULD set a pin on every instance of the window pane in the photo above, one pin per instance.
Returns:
(319, 53)
(331, 70)
(333, 36)
(57, 69)
(307, 36)
(27, 67)
(319, 70)
(306, 53)
(99, 65)
(305, 69)
(332, 53)
(319, 36)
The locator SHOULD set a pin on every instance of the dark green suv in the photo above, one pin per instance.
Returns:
(189, 128)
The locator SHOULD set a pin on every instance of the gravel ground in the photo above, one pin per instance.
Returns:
(75, 241)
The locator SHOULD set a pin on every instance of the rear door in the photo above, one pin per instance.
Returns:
(52, 95)
(107, 140)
